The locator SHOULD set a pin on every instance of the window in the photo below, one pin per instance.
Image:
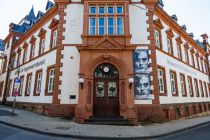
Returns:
(110, 25)
(179, 52)
(201, 88)
(205, 86)
(32, 51)
(25, 55)
(202, 69)
(4, 65)
(50, 80)
(101, 24)
(54, 39)
(161, 80)
(28, 85)
(21, 85)
(1, 88)
(174, 90)
(196, 87)
(190, 88)
(186, 55)
(198, 65)
(170, 51)
(42, 34)
(192, 58)
(38, 83)
(106, 20)
(42, 47)
(157, 39)
(182, 83)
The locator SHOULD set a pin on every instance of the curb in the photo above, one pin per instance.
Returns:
(102, 137)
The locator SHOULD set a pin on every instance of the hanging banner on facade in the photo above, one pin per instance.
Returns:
(16, 87)
(142, 83)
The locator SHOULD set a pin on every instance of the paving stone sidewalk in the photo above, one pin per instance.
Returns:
(62, 127)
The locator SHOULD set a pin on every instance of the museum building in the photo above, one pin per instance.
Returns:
(91, 59)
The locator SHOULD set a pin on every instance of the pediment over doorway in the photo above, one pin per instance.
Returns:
(107, 43)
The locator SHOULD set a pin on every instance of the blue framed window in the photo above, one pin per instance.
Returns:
(106, 19)
(120, 26)
(119, 10)
(110, 10)
(101, 23)
(110, 25)
(101, 10)
(92, 26)
(92, 10)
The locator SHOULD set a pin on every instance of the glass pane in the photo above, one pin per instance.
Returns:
(101, 10)
(110, 10)
(119, 9)
(112, 89)
(119, 26)
(92, 10)
(99, 89)
(110, 26)
(92, 29)
(106, 71)
(101, 26)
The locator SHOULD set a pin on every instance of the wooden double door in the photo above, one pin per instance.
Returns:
(106, 94)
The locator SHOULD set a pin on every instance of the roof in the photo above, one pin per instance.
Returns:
(1, 45)
(29, 20)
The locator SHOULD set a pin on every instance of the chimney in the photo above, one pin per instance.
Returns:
(174, 17)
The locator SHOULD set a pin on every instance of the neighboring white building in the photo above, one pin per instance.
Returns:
(95, 59)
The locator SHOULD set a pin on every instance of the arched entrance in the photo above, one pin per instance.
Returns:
(106, 91)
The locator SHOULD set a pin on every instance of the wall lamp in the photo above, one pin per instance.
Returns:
(81, 82)
(130, 81)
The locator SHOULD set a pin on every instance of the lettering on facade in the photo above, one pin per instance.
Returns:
(180, 67)
(25, 69)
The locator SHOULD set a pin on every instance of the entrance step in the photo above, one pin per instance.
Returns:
(107, 121)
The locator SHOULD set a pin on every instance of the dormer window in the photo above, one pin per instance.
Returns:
(105, 20)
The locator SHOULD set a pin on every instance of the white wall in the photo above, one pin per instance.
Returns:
(138, 25)
(166, 61)
(74, 24)
(70, 77)
(49, 60)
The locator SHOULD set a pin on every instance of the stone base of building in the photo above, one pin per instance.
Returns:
(145, 113)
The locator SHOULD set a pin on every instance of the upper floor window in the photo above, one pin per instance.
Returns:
(186, 55)
(54, 39)
(157, 38)
(42, 46)
(169, 45)
(179, 54)
(106, 20)
(25, 56)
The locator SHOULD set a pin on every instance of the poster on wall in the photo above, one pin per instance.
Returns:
(142, 83)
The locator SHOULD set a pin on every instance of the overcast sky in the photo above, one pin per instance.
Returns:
(193, 13)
